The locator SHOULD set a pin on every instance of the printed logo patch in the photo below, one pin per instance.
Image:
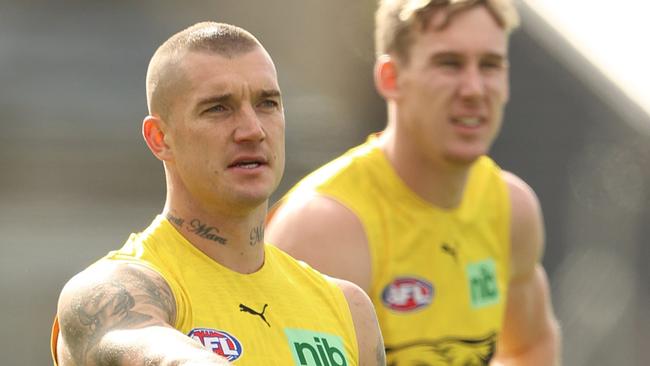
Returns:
(218, 342)
(316, 349)
(407, 294)
(448, 350)
(482, 281)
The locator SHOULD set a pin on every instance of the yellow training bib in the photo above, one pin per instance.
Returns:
(439, 277)
(286, 313)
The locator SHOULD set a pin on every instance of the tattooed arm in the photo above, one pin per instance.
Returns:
(121, 314)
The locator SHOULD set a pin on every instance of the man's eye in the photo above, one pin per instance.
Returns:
(269, 103)
(217, 108)
(450, 63)
(491, 65)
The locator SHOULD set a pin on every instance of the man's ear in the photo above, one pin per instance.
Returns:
(386, 70)
(153, 131)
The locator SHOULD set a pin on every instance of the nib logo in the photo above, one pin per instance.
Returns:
(483, 283)
(316, 349)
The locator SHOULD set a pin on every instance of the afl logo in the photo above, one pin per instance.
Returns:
(407, 294)
(218, 342)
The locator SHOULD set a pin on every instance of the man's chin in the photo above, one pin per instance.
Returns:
(252, 197)
(466, 157)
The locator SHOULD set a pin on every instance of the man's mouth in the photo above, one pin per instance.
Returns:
(467, 121)
(247, 164)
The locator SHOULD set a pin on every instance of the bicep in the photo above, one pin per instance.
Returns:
(370, 342)
(110, 297)
(526, 229)
(318, 230)
(529, 316)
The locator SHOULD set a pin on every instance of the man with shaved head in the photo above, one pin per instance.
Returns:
(199, 286)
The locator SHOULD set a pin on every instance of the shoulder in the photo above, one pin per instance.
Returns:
(357, 299)
(105, 297)
(361, 308)
(523, 198)
(527, 225)
(109, 285)
(317, 229)
(312, 212)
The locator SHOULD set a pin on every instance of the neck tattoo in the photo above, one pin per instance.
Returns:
(198, 228)
(256, 235)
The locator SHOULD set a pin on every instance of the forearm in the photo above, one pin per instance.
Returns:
(545, 352)
(151, 346)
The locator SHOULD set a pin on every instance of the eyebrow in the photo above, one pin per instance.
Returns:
(215, 99)
(496, 57)
(269, 93)
(446, 54)
(224, 98)
(221, 98)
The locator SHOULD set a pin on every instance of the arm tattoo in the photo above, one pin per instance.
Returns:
(125, 301)
(257, 235)
(195, 226)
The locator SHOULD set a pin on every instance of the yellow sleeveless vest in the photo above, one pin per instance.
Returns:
(439, 277)
(285, 313)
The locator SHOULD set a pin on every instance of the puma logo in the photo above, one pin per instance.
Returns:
(246, 309)
(449, 250)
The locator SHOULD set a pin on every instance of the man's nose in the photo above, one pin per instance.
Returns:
(472, 84)
(249, 126)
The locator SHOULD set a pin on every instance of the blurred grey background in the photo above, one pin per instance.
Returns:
(76, 177)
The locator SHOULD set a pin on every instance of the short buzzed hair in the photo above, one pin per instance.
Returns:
(397, 20)
(219, 38)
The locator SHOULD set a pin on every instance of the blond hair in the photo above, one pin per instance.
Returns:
(397, 20)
